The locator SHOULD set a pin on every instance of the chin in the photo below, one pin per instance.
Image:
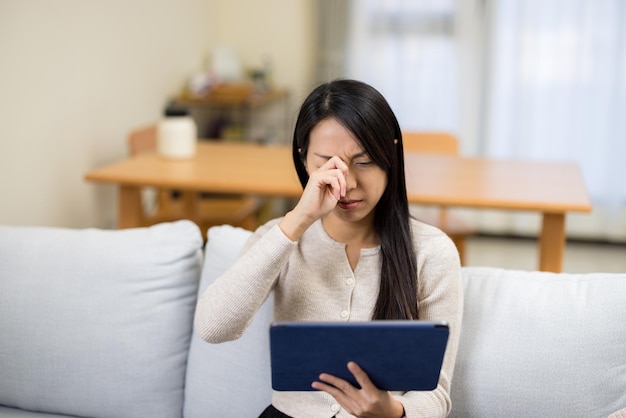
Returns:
(354, 215)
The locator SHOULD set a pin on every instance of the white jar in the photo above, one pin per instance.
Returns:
(177, 135)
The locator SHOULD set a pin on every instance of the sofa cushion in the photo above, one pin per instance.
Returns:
(97, 323)
(20, 413)
(541, 344)
(231, 379)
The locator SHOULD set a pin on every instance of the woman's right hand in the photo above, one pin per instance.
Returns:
(326, 186)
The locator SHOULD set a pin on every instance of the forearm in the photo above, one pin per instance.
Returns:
(228, 305)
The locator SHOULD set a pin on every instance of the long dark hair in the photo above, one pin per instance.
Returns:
(364, 111)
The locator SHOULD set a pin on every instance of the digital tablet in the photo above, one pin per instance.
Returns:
(396, 355)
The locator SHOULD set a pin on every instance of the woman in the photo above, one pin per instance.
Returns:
(348, 251)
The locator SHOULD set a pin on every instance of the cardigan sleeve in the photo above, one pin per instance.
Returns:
(440, 299)
(227, 306)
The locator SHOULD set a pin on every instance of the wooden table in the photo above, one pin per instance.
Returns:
(550, 188)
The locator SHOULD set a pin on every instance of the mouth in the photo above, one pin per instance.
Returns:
(348, 204)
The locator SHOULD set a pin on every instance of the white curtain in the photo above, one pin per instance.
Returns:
(532, 79)
(407, 50)
(557, 91)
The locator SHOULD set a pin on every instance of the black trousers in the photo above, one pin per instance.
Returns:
(271, 412)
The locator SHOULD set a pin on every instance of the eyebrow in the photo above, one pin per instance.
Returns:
(357, 155)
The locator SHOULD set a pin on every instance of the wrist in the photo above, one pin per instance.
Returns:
(294, 225)
(398, 409)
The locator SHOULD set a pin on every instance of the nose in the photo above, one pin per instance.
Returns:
(351, 180)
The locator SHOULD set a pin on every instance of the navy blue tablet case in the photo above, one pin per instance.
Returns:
(396, 355)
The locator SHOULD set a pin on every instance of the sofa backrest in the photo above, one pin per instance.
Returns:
(97, 323)
(231, 379)
(538, 344)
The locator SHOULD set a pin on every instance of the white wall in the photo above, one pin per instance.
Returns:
(76, 76)
(284, 30)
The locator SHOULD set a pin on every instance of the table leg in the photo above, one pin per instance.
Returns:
(552, 242)
(129, 211)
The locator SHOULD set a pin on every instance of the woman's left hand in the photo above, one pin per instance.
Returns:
(369, 401)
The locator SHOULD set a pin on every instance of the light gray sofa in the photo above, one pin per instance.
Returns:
(98, 323)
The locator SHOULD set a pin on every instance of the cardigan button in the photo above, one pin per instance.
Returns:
(344, 314)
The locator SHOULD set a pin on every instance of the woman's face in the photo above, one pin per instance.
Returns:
(365, 182)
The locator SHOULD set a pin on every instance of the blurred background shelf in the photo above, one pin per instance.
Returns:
(238, 112)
